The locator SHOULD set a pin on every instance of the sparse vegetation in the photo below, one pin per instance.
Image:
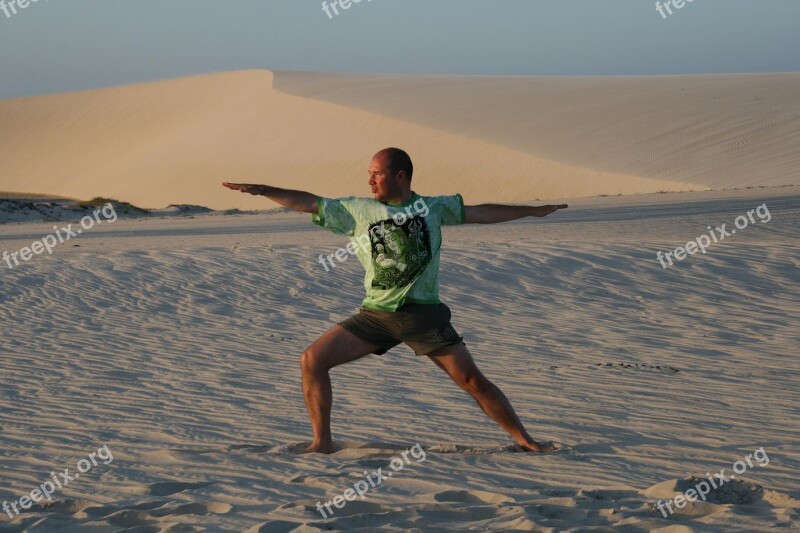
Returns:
(97, 201)
(123, 208)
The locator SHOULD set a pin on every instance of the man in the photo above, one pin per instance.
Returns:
(400, 253)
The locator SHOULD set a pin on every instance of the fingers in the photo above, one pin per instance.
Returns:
(243, 187)
(549, 209)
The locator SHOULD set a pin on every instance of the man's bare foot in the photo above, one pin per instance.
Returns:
(326, 448)
(537, 447)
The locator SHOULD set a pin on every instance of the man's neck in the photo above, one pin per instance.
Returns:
(405, 197)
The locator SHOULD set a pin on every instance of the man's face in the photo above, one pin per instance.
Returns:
(383, 183)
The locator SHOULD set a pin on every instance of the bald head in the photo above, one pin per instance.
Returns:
(396, 160)
(390, 175)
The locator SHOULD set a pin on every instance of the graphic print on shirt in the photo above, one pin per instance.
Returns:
(400, 252)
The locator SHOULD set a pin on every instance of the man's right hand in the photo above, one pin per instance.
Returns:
(249, 188)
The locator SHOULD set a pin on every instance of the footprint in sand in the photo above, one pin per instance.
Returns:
(146, 506)
(250, 448)
(639, 366)
(194, 508)
(348, 447)
(168, 488)
(565, 513)
(471, 496)
(296, 448)
(101, 511)
(618, 366)
(68, 507)
(275, 526)
(368, 517)
(732, 493)
(316, 480)
(610, 495)
(555, 447)
(129, 518)
(374, 463)
(193, 451)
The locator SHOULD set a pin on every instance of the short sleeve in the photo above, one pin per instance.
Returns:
(452, 210)
(334, 216)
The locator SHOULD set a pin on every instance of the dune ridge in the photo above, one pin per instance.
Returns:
(720, 131)
(174, 141)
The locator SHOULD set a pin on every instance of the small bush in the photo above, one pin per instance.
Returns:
(97, 201)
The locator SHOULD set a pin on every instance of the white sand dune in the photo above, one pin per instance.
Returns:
(498, 139)
(720, 131)
(176, 343)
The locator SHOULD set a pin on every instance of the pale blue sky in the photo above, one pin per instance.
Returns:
(64, 45)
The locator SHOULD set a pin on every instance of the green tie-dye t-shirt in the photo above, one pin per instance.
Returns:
(398, 245)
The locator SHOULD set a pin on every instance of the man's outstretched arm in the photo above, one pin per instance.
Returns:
(302, 201)
(493, 213)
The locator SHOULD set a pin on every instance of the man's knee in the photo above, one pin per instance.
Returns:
(310, 361)
(475, 383)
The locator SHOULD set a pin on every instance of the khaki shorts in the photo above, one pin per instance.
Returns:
(423, 327)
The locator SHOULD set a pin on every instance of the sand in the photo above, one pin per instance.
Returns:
(175, 342)
(494, 139)
(158, 357)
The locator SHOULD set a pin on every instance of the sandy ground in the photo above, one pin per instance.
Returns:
(175, 342)
(499, 139)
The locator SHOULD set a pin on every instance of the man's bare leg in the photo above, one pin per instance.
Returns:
(459, 365)
(335, 347)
